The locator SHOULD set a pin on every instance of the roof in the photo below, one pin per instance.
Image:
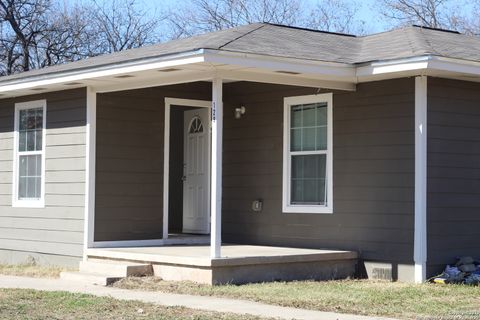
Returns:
(297, 43)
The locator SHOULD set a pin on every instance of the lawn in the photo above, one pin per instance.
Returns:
(31, 270)
(29, 304)
(363, 297)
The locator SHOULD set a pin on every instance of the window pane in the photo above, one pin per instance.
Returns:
(30, 140)
(22, 141)
(38, 187)
(22, 188)
(31, 119)
(29, 180)
(296, 117)
(296, 139)
(23, 165)
(321, 139)
(321, 114)
(308, 115)
(30, 130)
(39, 118)
(38, 140)
(23, 120)
(308, 127)
(308, 176)
(308, 139)
(31, 188)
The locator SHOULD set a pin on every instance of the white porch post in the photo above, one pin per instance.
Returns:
(420, 238)
(216, 172)
(90, 145)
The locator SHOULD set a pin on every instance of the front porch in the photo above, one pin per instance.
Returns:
(238, 264)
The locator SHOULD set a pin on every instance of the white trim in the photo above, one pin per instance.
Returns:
(392, 66)
(420, 233)
(166, 153)
(110, 70)
(216, 170)
(90, 145)
(39, 203)
(288, 102)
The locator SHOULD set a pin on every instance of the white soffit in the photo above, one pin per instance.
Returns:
(201, 65)
(424, 65)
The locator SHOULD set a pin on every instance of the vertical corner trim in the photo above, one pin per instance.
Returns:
(420, 233)
(90, 144)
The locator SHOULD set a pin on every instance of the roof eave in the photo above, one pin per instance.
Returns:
(165, 61)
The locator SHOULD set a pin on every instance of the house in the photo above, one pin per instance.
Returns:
(263, 135)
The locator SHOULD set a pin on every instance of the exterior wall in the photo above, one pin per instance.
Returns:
(453, 176)
(373, 152)
(129, 163)
(53, 234)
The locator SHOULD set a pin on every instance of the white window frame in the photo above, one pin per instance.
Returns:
(28, 203)
(287, 154)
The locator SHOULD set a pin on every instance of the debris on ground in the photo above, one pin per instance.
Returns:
(465, 271)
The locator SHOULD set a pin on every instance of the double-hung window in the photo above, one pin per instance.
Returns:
(307, 159)
(29, 153)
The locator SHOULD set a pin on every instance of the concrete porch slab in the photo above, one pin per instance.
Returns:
(239, 263)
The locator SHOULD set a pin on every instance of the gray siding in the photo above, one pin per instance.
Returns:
(453, 171)
(129, 181)
(54, 233)
(373, 171)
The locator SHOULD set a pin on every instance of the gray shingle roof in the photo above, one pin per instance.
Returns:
(289, 42)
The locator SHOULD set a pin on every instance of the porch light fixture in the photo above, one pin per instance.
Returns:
(239, 112)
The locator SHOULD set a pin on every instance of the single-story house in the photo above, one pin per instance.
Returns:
(261, 135)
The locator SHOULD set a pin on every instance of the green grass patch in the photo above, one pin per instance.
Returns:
(22, 304)
(31, 270)
(373, 298)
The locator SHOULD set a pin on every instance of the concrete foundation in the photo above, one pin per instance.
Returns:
(389, 271)
(239, 264)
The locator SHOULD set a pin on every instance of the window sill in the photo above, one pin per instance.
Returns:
(28, 204)
(308, 209)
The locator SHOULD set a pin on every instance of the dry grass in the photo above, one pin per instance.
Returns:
(31, 270)
(374, 298)
(16, 304)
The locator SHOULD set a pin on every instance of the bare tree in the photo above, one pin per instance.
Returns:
(39, 33)
(22, 23)
(336, 15)
(430, 13)
(121, 25)
(199, 16)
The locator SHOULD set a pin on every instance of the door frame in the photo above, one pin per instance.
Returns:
(169, 102)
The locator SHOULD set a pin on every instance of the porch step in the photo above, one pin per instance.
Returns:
(91, 278)
(116, 269)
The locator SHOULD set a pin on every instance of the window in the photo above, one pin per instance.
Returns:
(307, 161)
(196, 125)
(29, 153)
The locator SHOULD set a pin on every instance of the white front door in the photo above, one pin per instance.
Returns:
(196, 178)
